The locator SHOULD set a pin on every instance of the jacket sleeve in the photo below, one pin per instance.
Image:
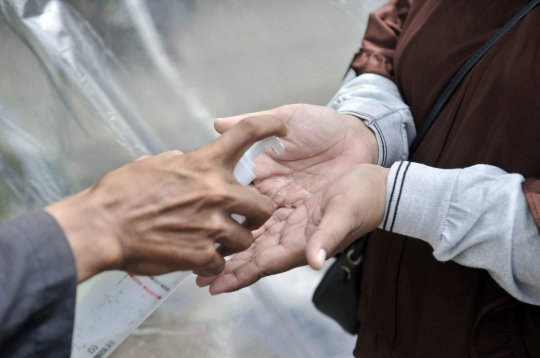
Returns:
(376, 100)
(369, 92)
(477, 217)
(38, 282)
(378, 47)
(531, 188)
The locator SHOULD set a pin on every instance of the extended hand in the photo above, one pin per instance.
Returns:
(325, 224)
(321, 145)
(166, 212)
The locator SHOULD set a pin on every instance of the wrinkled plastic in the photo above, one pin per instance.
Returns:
(114, 306)
(86, 86)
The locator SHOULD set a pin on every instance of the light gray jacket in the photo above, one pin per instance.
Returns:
(477, 216)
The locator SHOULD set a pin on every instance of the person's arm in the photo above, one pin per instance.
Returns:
(368, 91)
(38, 283)
(156, 215)
(166, 213)
(478, 217)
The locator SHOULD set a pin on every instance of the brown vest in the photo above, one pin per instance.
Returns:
(411, 304)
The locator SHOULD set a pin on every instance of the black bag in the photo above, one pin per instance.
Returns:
(338, 293)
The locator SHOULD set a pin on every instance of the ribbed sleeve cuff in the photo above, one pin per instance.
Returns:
(389, 137)
(376, 100)
(417, 200)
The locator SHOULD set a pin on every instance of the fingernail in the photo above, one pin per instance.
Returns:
(321, 256)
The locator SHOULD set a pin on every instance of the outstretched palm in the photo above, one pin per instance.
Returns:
(321, 145)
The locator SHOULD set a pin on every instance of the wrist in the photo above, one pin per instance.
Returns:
(365, 134)
(383, 174)
(88, 234)
(365, 188)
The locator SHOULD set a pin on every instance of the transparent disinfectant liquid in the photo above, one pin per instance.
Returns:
(113, 304)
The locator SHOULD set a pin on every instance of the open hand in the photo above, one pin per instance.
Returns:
(166, 212)
(325, 224)
(321, 145)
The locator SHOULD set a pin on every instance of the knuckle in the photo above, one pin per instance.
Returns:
(173, 153)
(142, 157)
(267, 206)
(287, 111)
(236, 238)
(217, 265)
(245, 240)
(203, 165)
(198, 160)
(205, 157)
(249, 126)
(216, 269)
(207, 256)
(217, 191)
(216, 226)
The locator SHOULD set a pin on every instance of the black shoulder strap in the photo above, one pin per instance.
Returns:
(458, 78)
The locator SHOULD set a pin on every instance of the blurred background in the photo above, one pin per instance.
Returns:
(86, 86)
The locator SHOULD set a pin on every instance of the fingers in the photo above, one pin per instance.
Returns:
(225, 251)
(271, 260)
(241, 275)
(142, 158)
(168, 154)
(230, 266)
(257, 208)
(238, 239)
(284, 113)
(268, 255)
(335, 227)
(153, 269)
(223, 124)
(203, 281)
(245, 272)
(172, 153)
(279, 217)
(235, 142)
(213, 266)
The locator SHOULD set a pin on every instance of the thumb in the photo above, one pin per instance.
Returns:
(336, 225)
(223, 124)
(230, 147)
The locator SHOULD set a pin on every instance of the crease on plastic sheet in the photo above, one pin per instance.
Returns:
(269, 319)
(240, 325)
(145, 26)
(74, 55)
(27, 169)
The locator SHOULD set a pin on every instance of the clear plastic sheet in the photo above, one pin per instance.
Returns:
(86, 86)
